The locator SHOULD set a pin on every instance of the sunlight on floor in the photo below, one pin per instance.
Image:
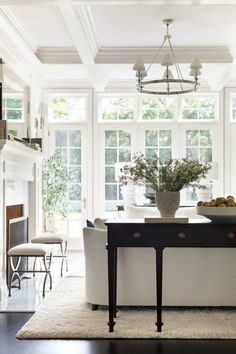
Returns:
(29, 297)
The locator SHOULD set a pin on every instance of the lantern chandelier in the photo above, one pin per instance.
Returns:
(168, 85)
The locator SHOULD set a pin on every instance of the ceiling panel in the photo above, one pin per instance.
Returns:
(43, 24)
(141, 25)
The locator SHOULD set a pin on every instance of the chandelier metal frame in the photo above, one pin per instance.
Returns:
(168, 80)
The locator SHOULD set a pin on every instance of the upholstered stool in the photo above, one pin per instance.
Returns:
(29, 250)
(51, 238)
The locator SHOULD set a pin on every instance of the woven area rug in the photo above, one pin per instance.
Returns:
(64, 314)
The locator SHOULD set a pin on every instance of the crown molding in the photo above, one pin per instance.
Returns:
(58, 55)
(124, 55)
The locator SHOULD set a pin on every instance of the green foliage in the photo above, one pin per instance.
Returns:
(164, 176)
(55, 178)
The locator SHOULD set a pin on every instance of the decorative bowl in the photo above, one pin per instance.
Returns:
(218, 214)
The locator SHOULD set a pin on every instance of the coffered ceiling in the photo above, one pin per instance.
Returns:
(96, 42)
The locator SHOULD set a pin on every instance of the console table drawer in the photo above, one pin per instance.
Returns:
(172, 235)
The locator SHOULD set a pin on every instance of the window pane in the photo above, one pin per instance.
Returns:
(206, 155)
(234, 102)
(13, 114)
(75, 174)
(151, 153)
(190, 103)
(192, 138)
(74, 192)
(205, 137)
(206, 108)
(110, 174)
(189, 114)
(234, 113)
(13, 103)
(75, 156)
(124, 155)
(124, 138)
(12, 132)
(61, 138)
(74, 209)
(68, 108)
(110, 138)
(164, 154)
(75, 138)
(151, 138)
(75, 228)
(110, 156)
(63, 154)
(111, 192)
(114, 108)
(192, 153)
(165, 138)
(158, 108)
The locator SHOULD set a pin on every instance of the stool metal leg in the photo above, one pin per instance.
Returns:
(47, 272)
(35, 260)
(64, 257)
(14, 274)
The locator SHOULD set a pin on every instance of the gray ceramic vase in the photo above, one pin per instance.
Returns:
(167, 203)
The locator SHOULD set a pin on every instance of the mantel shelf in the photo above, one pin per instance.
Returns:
(13, 150)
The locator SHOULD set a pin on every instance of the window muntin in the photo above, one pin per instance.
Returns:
(67, 108)
(158, 108)
(117, 108)
(117, 149)
(199, 108)
(13, 108)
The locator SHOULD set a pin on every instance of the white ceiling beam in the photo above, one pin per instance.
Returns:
(124, 55)
(16, 52)
(81, 42)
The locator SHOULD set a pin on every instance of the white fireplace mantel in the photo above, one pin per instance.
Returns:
(18, 163)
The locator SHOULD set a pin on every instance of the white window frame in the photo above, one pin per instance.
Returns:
(69, 93)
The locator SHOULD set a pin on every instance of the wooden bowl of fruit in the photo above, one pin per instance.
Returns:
(220, 210)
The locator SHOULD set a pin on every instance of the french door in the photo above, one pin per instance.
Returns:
(71, 140)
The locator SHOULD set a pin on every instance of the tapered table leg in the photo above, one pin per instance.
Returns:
(159, 266)
(111, 286)
(115, 280)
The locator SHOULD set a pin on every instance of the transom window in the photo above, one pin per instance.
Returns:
(158, 108)
(199, 108)
(67, 108)
(13, 108)
(115, 108)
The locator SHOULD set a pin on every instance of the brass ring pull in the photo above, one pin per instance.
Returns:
(231, 235)
(137, 235)
(182, 235)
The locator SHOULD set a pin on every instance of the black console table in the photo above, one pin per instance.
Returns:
(135, 233)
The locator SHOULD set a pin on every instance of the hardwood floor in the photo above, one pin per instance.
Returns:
(10, 323)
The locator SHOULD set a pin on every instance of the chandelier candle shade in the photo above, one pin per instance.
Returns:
(168, 85)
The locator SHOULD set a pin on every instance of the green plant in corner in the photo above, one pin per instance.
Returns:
(55, 178)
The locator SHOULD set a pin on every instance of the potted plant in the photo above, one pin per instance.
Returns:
(166, 178)
(55, 179)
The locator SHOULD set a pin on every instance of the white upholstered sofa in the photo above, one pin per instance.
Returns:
(191, 277)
